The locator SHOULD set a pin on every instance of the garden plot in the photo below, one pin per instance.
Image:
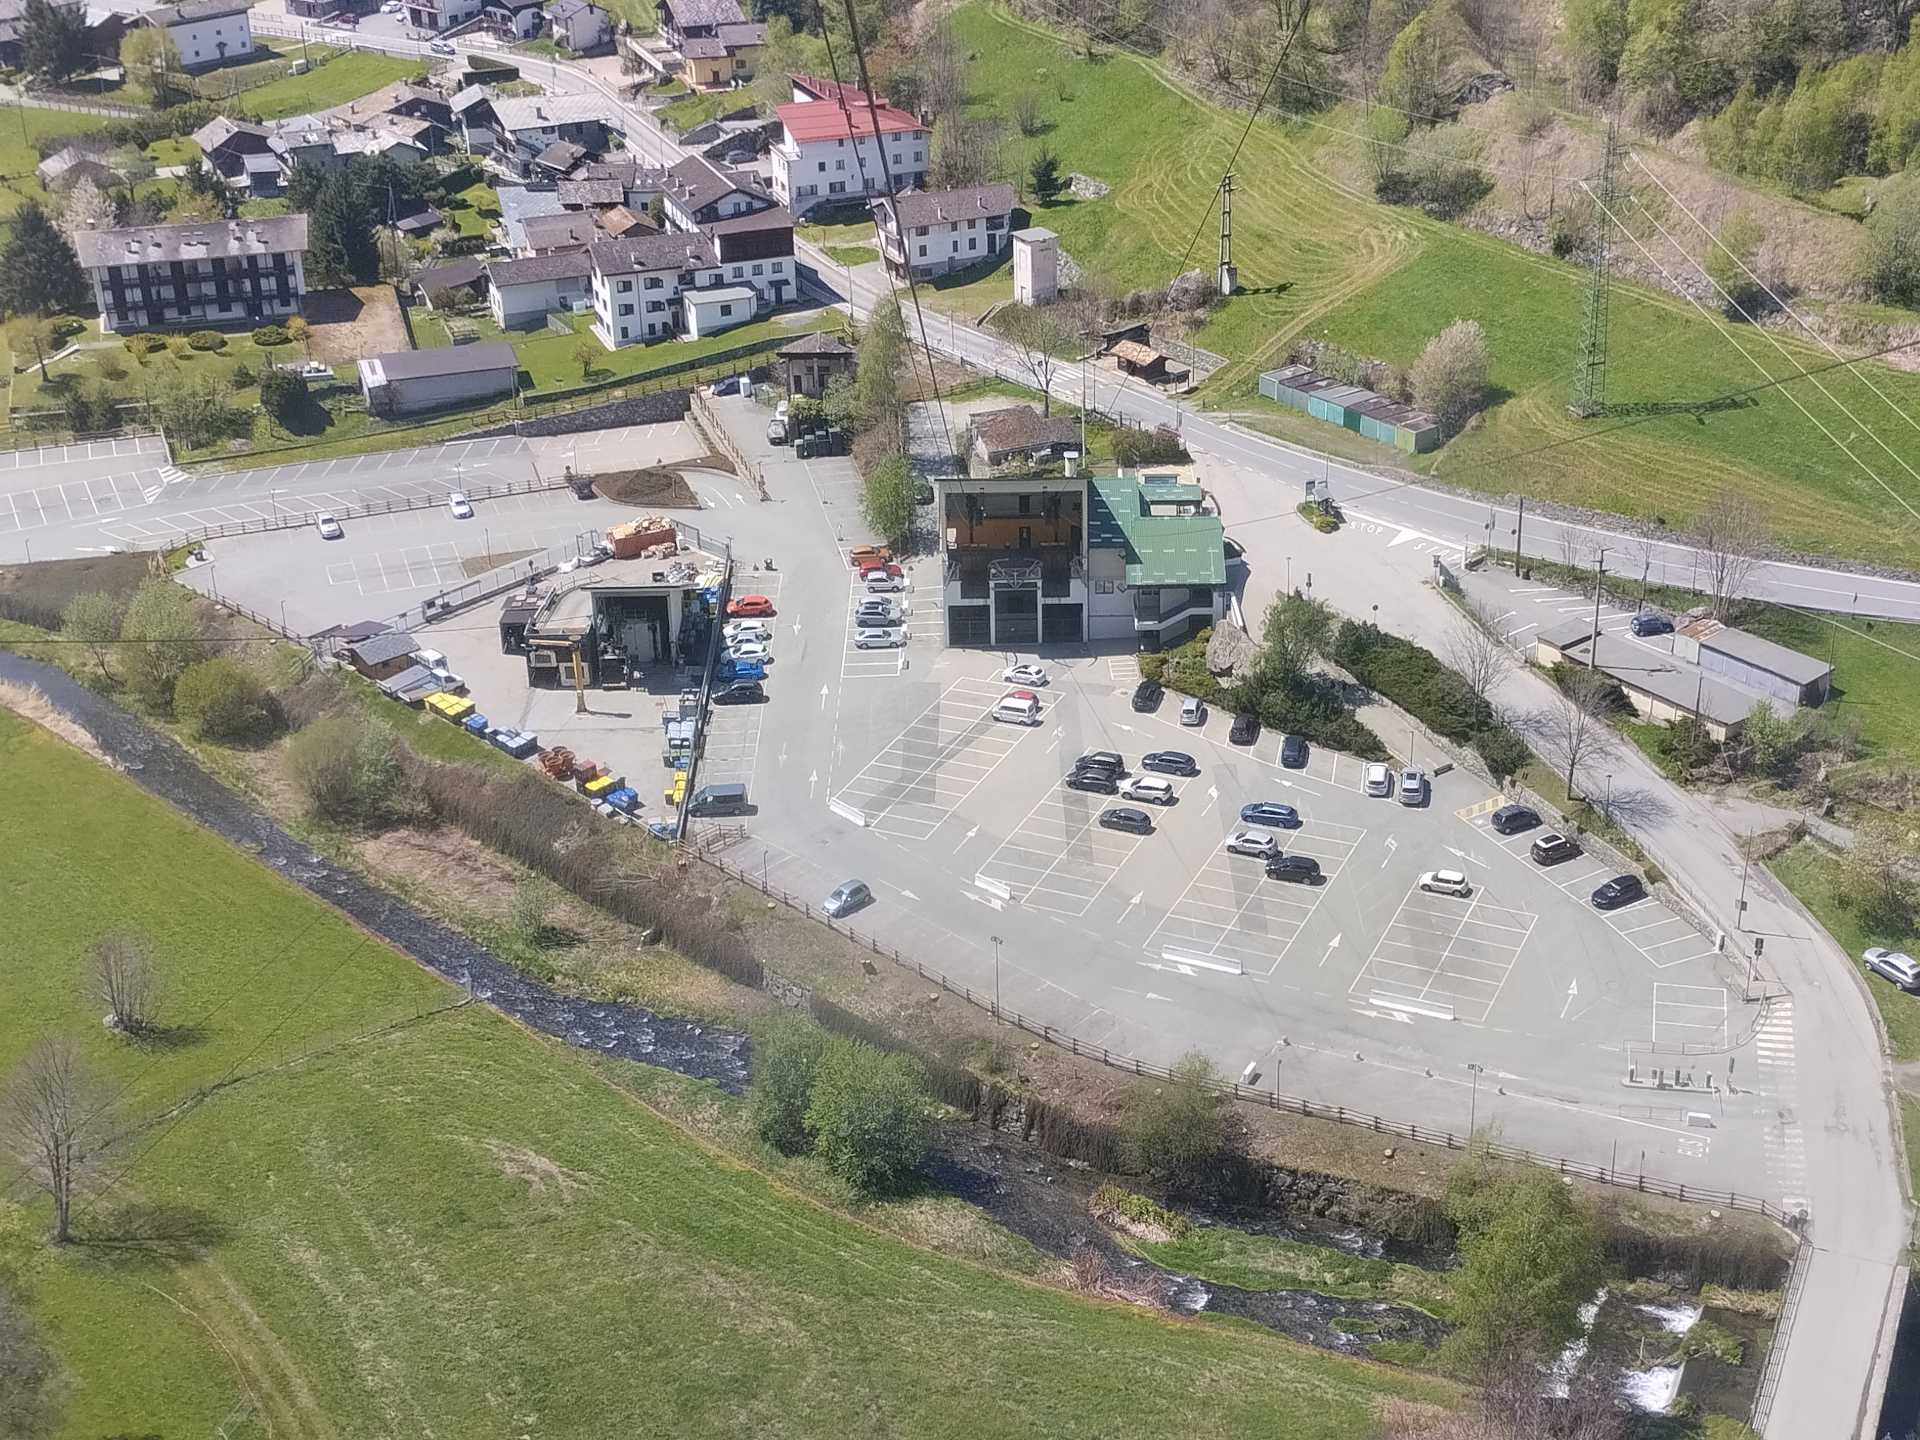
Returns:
(1443, 957)
(935, 763)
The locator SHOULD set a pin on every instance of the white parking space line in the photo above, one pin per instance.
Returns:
(1690, 1015)
(1445, 954)
(408, 569)
(1060, 858)
(935, 763)
(732, 745)
(1231, 910)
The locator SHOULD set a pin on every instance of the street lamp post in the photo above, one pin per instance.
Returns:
(1473, 1105)
(996, 975)
(1606, 806)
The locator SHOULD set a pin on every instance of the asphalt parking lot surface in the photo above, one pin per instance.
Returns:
(1519, 1004)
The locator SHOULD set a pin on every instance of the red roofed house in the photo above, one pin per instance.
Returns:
(827, 149)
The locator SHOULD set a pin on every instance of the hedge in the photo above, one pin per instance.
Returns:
(1413, 678)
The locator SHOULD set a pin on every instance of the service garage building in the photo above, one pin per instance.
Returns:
(410, 381)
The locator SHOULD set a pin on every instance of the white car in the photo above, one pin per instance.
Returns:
(758, 651)
(328, 527)
(886, 584)
(459, 506)
(876, 613)
(745, 630)
(1192, 712)
(1446, 882)
(1413, 786)
(780, 411)
(1024, 675)
(1379, 781)
(1257, 843)
(1150, 788)
(878, 639)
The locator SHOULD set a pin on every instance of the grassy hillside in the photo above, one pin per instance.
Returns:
(392, 1217)
(1319, 258)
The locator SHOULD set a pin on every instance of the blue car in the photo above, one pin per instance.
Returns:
(1269, 812)
(731, 672)
(1647, 623)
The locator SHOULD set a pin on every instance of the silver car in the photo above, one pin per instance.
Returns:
(878, 639)
(1413, 786)
(846, 898)
(328, 527)
(1893, 965)
(1257, 843)
(1192, 712)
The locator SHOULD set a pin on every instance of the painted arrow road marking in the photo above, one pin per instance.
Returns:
(1573, 991)
(812, 780)
(1332, 945)
(823, 697)
(966, 837)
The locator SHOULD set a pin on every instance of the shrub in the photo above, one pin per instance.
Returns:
(348, 769)
(1159, 446)
(143, 345)
(1182, 1128)
(110, 367)
(787, 1049)
(1505, 752)
(270, 335)
(242, 375)
(220, 700)
(177, 346)
(1450, 377)
(1111, 1199)
(1316, 517)
(869, 1117)
(207, 340)
(282, 394)
(159, 640)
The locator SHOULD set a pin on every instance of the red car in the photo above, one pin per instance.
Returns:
(876, 567)
(750, 605)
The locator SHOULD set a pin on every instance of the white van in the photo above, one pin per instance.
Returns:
(1018, 709)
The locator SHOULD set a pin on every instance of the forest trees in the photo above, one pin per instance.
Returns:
(39, 272)
(53, 40)
(1450, 378)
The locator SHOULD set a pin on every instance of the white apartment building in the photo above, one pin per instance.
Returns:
(227, 273)
(639, 288)
(207, 33)
(829, 150)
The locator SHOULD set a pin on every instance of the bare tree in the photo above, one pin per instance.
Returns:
(1475, 652)
(52, 1122)
(124, 981)
(1728, 534)
(1573, 546)
(1576, 729)
(1044, 339)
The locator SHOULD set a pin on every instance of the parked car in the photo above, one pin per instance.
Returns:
(1246, 729)
(1024, 675)
(459, 506)
(876, 638)
(847, 897)
(1150, 788)
(1552, 849)
(883, 584)
(757, 650)
(1094, 781)
(1170, 762)
(740, 692)
(1102, 757)
(1269, 812)
(750, 605)
(1232, 549)
(1413, 786)
(328, 527)
(1192, 712)
(746, 630)
(1146, 696)
(1446, 882)
(877, 611)
(1621, 890)
(1893, 965)
(776, 431)
(728, 671)
(1650, 624)
(1512, 819)
(1257, 843)
(1293, 752)
(1379, 782)
(1136, 822)
(1300, 869)
(1018, 707)
(782, 410)
(871, 568)
(440, 47)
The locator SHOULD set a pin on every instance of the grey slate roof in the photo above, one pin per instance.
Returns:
(449, 360)
(696, 183)
(450, 276)
(565, 265)
(820, 342)
(941, 207)
(378, 649)
(653, 252)
(703, 14)
(573, 230)
(1760, 653)
(538, 112)
(171, 15)
(1021, 427)
(151, 244)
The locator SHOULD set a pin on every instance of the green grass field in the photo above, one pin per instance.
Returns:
(1270, 1262)
(20, 128)
(1319, 258)
(1814, 876)
(344, 78)
(395, 1217)
(1876, 671)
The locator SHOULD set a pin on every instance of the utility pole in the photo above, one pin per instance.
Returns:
(1590, 368)
(1519, 536)
(1229, 274)
(1599, 581)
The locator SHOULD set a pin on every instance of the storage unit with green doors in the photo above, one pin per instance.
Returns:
(1352, 408)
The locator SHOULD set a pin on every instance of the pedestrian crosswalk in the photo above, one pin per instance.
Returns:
(1781, 1135)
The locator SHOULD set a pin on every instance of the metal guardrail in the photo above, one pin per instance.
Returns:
(1782, 1329)
(298, 519)
(1273, 1100)
(496, 580)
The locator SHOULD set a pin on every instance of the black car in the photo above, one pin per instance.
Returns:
(1621, 890)
(1170, 762)
(1137, 822)
(1146, 696)
(1300, 869)
(1246, 729)
(1293, 752)
(1512, 819)
(1552, 849)
(1108, 758)
(740, 692)
(1097, 782)
(1648, 623)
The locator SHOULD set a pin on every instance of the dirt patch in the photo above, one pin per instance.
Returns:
(37, 594)
(481, 564)
(348, 324)
(652, 486)
(541, 1174)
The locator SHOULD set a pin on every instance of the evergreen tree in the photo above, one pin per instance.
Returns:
(39, 273)
(53, 40)
(1044, 173)
(341, 248)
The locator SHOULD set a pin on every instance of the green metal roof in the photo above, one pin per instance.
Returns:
(1160, 549)
(1165, 492)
